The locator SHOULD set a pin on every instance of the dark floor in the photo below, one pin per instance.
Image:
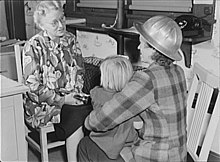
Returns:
(55, 155)
(59, 155)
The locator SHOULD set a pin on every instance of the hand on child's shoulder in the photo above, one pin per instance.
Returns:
(71, 100)
(94, 90)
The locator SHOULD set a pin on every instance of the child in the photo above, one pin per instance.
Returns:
(116, 71)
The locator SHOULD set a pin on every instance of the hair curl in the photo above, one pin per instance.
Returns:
(161, 59)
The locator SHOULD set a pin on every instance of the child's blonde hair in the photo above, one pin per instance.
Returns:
(116, 71)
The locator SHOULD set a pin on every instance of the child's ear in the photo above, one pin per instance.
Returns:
(41, 27)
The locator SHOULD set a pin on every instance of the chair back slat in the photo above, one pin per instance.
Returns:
(18, 47)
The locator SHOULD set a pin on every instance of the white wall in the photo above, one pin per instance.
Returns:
(208, 53)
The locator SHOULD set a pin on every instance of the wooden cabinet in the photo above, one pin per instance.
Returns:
(13, 144)
(7, 59)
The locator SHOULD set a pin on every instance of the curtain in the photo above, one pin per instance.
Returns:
(162, 5)
(99, 3)
(15, 19)
(153, 5)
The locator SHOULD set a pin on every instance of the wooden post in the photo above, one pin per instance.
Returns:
(120, 12)
(120, 22)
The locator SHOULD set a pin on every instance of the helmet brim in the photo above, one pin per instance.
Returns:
(174, 56)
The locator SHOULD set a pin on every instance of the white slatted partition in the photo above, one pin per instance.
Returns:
(190, 99)
(201, 109)
(203, 117)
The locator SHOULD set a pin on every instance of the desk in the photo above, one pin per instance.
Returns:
(119, 35)
(13, 144)
(129, 41)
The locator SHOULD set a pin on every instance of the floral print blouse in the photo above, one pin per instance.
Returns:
(51, 70)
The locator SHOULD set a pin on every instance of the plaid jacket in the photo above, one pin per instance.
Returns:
(158, 95)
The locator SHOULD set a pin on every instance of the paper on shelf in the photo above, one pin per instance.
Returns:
(73, 20)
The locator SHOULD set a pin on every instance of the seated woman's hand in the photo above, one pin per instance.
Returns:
(71, 100)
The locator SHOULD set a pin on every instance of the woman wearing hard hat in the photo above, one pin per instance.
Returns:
(157, 93)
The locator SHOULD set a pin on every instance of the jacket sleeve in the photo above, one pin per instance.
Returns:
(33, 58)
(77, 52)
(136, 97)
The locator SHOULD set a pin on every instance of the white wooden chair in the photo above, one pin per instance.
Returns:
(202, 113)
(43, 146)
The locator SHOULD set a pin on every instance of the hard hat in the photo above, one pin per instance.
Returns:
(163, 34)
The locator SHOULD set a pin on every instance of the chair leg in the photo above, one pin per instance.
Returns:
(72, 143)
(27, 147)
(26, 133)
(43, 143)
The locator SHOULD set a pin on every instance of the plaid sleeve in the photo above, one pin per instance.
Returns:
(134, 98)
